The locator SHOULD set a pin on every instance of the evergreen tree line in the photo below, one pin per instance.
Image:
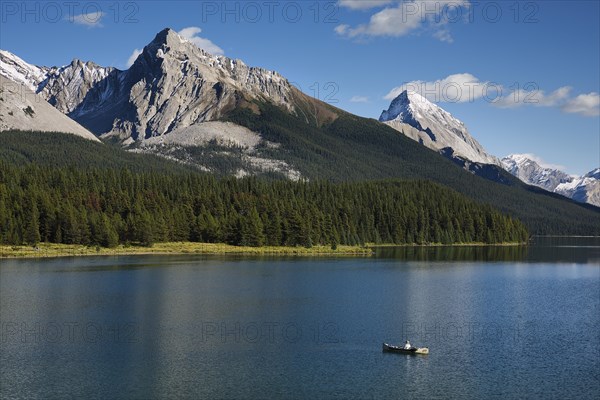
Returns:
(110, 206)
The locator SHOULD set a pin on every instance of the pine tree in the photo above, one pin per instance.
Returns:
(32, 229)
(252, 230)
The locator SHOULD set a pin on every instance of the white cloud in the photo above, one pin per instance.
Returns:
(191, 34)
(408, 16)
(543, 163)
(133, 57)
(443, 35)
(465, 87)
(92, 19)
(584, 104)
(533, 97)
(359, 99)
(456, 88)
(363, 4)
(387, 22)
(342, 29)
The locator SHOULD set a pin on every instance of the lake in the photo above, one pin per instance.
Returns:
(504, 322)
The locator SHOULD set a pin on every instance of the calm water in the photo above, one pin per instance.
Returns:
(499, 322)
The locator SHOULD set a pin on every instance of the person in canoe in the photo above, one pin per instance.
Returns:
(407, 345)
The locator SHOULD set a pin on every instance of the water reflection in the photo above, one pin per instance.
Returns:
(492, 327)
(581, 250)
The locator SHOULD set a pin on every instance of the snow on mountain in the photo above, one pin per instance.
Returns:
(67, 87)
(22, 109)
(17, 70)
(172, 84)
(529, 171)
(174, 91)
(585, 189)
(430, 125)
(595, 173)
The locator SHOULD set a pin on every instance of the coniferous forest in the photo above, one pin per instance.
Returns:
(104, 206)
(541, 212)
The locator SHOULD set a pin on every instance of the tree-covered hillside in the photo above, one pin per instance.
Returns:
(540, 211)
(351, 148)
(118, 199)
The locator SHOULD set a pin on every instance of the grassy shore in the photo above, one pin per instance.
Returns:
(64, 250)
(472, 244)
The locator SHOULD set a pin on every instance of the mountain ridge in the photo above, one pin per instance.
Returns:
(433, 127)
(163, 90)
(584, 189)
(291, 136)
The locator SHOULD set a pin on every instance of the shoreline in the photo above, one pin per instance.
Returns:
(52, 250)
(474, 244)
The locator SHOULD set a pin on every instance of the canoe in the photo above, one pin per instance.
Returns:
(388, 348)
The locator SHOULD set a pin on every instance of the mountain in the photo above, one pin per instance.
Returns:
(223, 117)
(15, 69)
(67, 87)
(172, 85)
(172, 88)
(584, 189)
(432, 126)
(529, 171)
(22, 109)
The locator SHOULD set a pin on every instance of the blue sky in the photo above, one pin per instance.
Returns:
(523, 76)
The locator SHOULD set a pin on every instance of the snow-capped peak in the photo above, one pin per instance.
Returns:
(411, 105)
(581, 188)
(524, 167)
(17, 70)
(434, 127)
(595, 173)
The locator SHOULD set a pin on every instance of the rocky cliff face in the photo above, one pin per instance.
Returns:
(172, 85)
(67, 88)
(529, 171)
(432, 126)
(585, 189)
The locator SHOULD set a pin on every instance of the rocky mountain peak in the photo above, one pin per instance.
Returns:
(595, 173)
(167, 36)
(529, 171)
(167, 41)
(585, 189)
(15, 69)
(172, 84)
(434, 127)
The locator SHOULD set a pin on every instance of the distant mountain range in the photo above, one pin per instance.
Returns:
(585, 189)
(227, 118)
(419, 119)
